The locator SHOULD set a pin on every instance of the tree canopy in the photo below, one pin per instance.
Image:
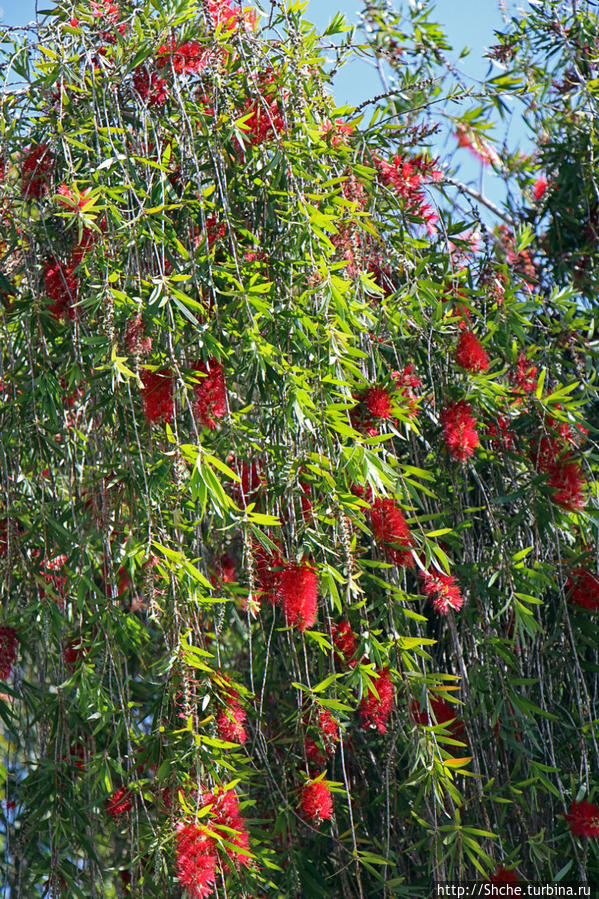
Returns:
(298, 525)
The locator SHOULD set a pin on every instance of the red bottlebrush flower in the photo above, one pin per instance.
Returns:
(459, 430)
(500, 434)
(268, 567)
(229, 723)
(505, 875)
(229, 15)
(120, 802)
(196, 861)
(539, 188)
(8, 651)
(316, 802)
(582, 589)
(345, 643)
(470, 354)
(375, 711)
(190, 58)
(568, 485)
(135, 340)
(391, 531)
(152, 89)
(297, 590)
(443, 591)
(407, 177)
(157, 395)
(225, 813)
(226, 569)
(406, 382)
(50, 569)
(378, 402)
(583, 819)
(73, 653)
(524, 376)
(61, 287)
(438, 711)
(251, 481)
(35, 169)
(210, 393)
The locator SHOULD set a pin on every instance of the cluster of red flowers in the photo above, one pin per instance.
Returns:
(135, 337)
(119, 803)
(230, 720)
(583, 819)
(391, 531)
(500, 433)
(539, 188)
(328, 734)
(375, 710)
(227, 14)
(470, 354)
(50, 569)
(408, 177)
(61, 287)
(524, 376)
(196, 861)
(157, 395)
(190, 58)
(262, 115)
(297, 593)
(437, 711)
(505, 875)
(316, 801)
(551, 454)
(210, 393)
(35, 170)
(443, 591)
(459, 430)
(345, 643)
(406, 382)
(374, 403)
(152, 89)
(197, 851)
(582, 589)
(8, 650)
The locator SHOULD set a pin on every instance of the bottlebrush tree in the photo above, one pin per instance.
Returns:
(298, 529)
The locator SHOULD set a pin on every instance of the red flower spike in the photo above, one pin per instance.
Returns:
(225, 813)
(524, 376)
(505, 875)
(61, 287)
(119, 803)
(345, 643)
(196, 861)
(459, 430)
(157, 395)
(470, 354)
(230, 724)
(539, 188)
(582, 589)
(375, 711)
(152, 89)
(210, 393)
(443, 591)
(316, 802)
(391, 531)
(189, 58)
(297, 591)
(440, 713)
(378, 402)
(583, 819)
(8, 651)
(568, 485)
(35, 169)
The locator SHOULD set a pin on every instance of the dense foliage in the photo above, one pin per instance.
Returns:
(298, 531)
